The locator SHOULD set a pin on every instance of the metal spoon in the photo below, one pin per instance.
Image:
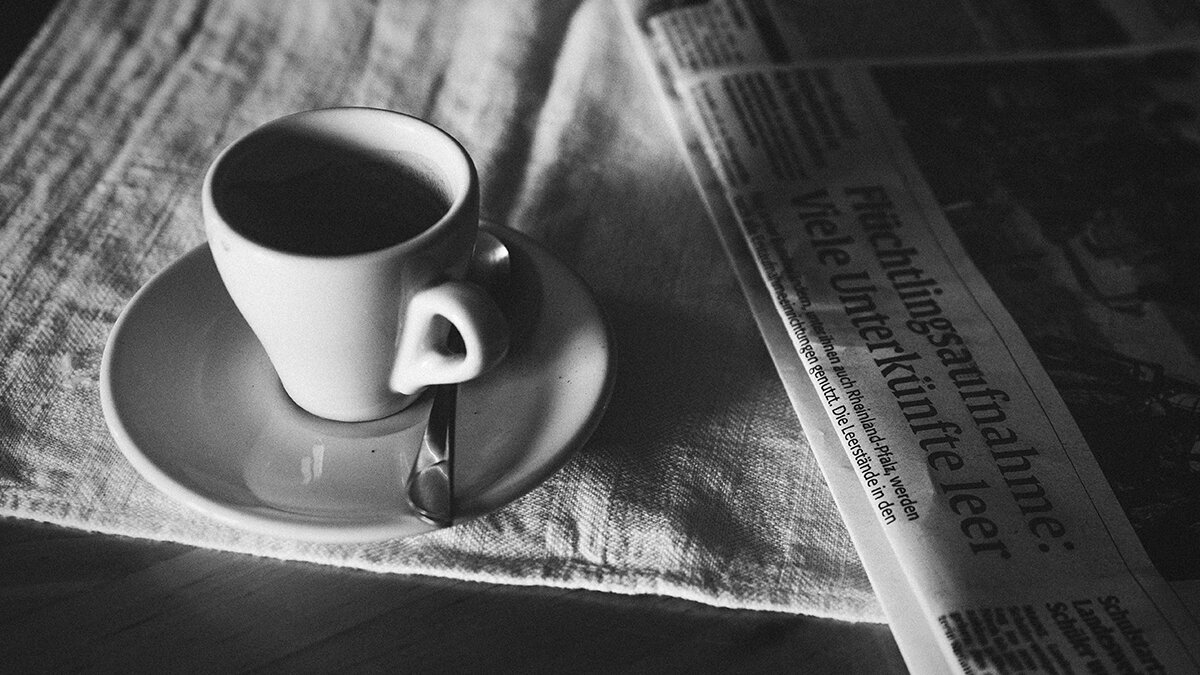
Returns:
(430, 484)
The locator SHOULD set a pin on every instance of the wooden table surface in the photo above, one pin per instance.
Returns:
(76, 601)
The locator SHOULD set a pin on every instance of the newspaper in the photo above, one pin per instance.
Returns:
(975, 275)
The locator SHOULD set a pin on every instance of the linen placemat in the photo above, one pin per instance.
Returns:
(698, 483)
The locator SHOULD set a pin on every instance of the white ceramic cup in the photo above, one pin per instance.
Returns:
(342, 235)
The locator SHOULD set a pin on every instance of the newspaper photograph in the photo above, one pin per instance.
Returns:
(975, 276)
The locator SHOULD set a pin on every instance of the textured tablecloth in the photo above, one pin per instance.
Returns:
(698, 483)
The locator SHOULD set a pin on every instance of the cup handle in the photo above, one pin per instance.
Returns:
(422, 358)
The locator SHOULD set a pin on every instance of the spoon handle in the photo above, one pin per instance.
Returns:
(431, 481)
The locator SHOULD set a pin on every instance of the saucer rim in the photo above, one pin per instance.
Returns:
(257, 520)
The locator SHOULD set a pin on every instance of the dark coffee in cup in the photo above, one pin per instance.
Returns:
(297, 191)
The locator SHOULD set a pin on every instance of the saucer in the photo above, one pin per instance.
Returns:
(194, 404)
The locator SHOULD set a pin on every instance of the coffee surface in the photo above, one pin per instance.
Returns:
(326, 199)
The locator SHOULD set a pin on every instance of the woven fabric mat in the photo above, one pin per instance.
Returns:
(698, 482)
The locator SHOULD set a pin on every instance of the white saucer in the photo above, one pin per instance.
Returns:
(196, 407)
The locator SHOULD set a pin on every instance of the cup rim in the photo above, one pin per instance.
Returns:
(464, 173)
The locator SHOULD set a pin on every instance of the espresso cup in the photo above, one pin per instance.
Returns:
(342, 236)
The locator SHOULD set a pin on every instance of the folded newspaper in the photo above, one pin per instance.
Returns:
(976, 276)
